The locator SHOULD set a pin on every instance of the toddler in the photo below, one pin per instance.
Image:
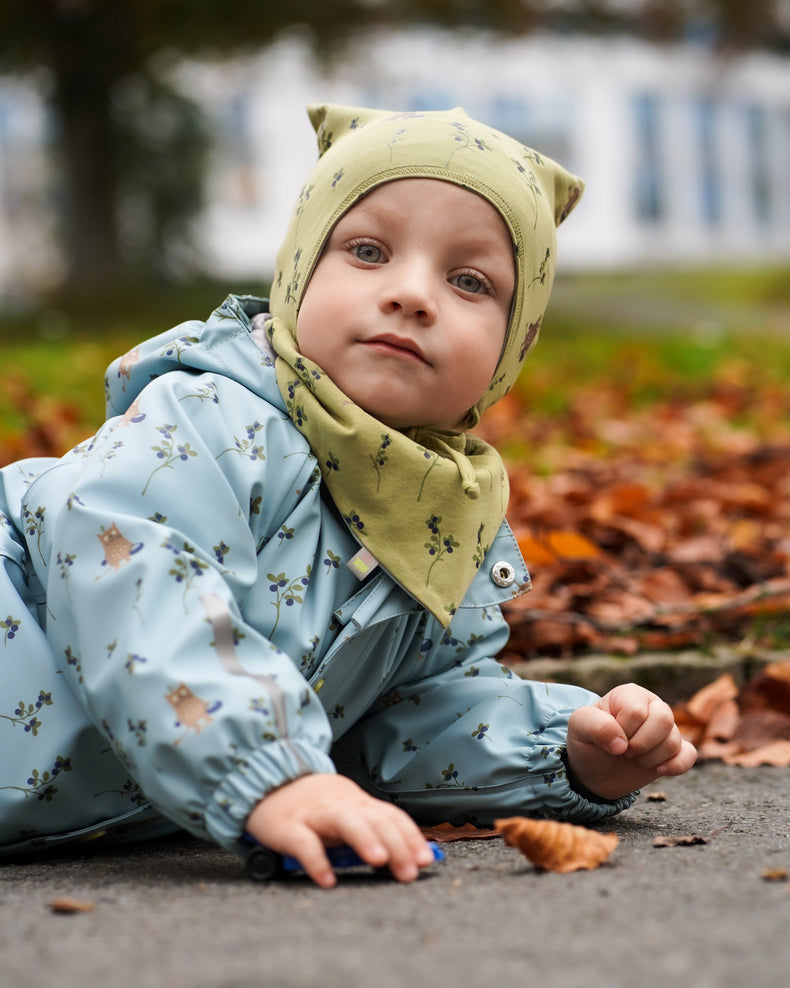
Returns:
(264, 597)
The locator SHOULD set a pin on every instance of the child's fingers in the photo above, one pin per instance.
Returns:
(308, 849)
(593, 726)
(680, 762)
(388, 836)
(656, 730)
(629, 704)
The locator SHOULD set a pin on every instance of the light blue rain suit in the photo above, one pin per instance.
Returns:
(182, 632)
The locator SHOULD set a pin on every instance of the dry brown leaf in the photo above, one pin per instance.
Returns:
(682, 840)
(447, 832)
(777, 753)
(557, 544)
(656, 797)
(705, 701)
(724, 721)
(774, 874)
(555, 846)
(66, 905)
(760, 727)
(769, 689)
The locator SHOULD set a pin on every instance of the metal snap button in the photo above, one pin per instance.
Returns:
(503, 574)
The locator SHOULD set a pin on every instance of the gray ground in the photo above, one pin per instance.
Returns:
(182, 913)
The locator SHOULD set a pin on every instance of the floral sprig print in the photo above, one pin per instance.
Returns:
(433, 459)
(65, 561)
(138, 730)
(110, 454)
(168, 451)
(450, 779)
(179, 346)
(40, 784)
(10, 625)
(285, 535)
(396, 137)
(25, 714)
(206, 392)
(133, 661)
(380, 458)
(295, 410)
(310, 375)
(353, 520)
(543, 269)
(187, 568)
(481, 732)
(288, 592)
(480, 550)
(130, 789)
(438, 545)
(247, 446)
(34, 525)
(74, 661)
(332, 561)
(531, 180)
(465, 142)
(292, 288)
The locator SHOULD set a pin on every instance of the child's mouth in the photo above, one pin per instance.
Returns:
(397, 346)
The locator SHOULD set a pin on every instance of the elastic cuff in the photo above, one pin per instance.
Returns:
(588, 801)
(264, 770)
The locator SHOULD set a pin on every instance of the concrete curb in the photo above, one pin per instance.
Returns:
(674, 676)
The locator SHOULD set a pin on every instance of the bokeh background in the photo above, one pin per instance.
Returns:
(150, 153)
(167, 140)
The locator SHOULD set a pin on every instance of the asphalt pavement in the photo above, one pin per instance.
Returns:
(178, 912)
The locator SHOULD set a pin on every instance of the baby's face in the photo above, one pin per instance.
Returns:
(408, 306)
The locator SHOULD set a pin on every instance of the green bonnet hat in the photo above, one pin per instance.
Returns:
(426, 503)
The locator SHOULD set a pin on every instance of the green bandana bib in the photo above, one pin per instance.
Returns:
(426, 503)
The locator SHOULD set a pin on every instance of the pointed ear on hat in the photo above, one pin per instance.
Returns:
(331, 121)
(568, 191)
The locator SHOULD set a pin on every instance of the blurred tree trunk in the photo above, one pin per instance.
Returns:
(108, 157)
(88, 57)
(87, 182)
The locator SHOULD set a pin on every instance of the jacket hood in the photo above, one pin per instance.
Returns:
(229, 342)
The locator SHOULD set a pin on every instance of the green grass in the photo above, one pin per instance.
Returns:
(650, 335)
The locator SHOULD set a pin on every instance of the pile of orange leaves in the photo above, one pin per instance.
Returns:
(746, 726)
(646, 526)
(647, 529)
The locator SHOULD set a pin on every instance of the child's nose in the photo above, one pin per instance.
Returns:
(412, 292)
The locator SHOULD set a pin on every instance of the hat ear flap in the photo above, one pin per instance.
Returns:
(331, 121)
(567, 192)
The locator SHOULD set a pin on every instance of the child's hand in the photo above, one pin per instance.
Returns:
(303, 816)
(625, 740)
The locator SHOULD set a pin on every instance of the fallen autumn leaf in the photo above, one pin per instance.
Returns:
(682, 840)
(554, 846)
(66, 905)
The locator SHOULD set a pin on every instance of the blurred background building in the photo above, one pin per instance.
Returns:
(686, 156)
(684, 144)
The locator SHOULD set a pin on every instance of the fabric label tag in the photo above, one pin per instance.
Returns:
(363, 563)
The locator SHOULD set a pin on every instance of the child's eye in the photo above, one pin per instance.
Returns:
(368, 252)
(470, 283)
